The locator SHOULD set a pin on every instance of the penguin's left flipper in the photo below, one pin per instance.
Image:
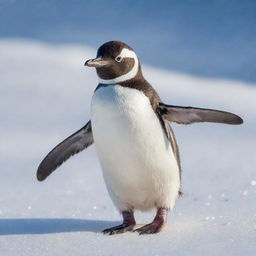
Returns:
(75, 143)
(189, 115)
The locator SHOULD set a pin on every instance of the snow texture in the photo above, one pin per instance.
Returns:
(45, 95)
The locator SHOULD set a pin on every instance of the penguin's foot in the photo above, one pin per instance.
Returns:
(157, 224)
(151, 228)
(128, 224)
(118, 229)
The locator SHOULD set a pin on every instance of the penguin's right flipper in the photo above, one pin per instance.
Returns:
(70, 146)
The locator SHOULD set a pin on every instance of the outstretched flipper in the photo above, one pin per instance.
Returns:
(70, 146)
(189, 115)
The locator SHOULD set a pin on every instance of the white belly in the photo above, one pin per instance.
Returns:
(137, 160)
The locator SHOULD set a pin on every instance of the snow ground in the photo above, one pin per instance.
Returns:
(45, 96)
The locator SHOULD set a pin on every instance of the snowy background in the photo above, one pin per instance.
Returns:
(45, 94)
(202, 37)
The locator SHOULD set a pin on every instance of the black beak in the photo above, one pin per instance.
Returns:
(98, 62)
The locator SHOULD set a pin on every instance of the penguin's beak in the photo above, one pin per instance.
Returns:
(97, 63)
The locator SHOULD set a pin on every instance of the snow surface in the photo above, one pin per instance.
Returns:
(45, 96)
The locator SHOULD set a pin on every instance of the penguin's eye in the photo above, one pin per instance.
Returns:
(118, 59)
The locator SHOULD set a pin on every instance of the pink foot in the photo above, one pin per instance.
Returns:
(157, 224)
(128, 224)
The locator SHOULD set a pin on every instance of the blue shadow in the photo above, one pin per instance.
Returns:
(46, 226)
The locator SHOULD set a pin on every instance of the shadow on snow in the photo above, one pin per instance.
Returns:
(46, 226)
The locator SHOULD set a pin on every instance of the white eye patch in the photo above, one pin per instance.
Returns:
(125, 53)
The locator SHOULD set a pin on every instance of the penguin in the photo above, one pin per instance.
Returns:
(136, 146)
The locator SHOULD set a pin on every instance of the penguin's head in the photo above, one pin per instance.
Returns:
(115, 62)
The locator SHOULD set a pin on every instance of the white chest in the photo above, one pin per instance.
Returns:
(138, 164)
